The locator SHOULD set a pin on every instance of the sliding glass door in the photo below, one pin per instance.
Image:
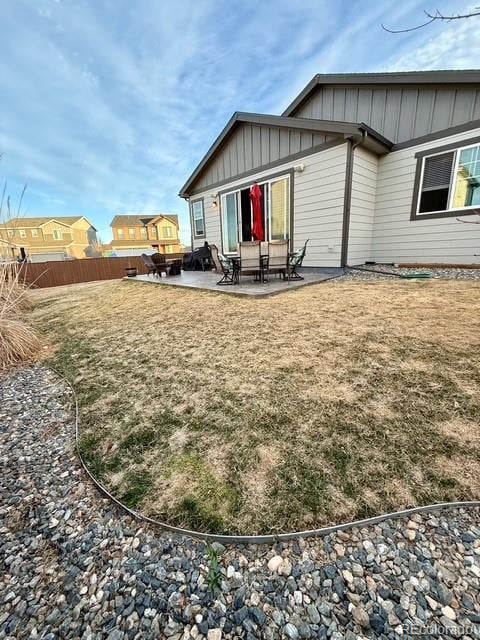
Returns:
(230, 222)
(237, 217)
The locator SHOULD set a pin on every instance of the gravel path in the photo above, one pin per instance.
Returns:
(373, 273)
(73, 566)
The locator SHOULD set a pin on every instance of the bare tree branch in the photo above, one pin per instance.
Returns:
(434, 17)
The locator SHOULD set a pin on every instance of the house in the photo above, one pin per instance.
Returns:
(368, 167)
(134, 235)
(47, 238)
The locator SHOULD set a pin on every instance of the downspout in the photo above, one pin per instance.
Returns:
(347, 198)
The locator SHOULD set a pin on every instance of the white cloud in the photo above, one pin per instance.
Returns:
(454, 45)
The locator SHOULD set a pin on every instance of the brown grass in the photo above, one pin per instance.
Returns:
(236, 415)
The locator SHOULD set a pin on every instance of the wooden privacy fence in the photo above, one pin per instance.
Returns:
(54, 274)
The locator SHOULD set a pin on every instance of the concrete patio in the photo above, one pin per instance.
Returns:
(207, 281)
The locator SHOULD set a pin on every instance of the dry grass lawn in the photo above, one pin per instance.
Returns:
(233, 415)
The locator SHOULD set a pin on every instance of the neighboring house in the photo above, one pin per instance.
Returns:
(368, 167)
(47, 238)
(133, 235)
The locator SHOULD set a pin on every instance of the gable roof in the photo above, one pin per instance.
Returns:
(141, 220)
(468, 76)
(32, 222)
(342, 129)
(173, 217)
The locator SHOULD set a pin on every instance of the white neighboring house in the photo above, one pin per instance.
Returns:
(367, 167)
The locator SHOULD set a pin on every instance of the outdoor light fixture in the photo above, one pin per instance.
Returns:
(214, 203)
(299, 168)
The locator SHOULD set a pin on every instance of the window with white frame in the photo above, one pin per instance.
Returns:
(153, 233)
(143, 232)
(10, 233)
(131, 233)
(167, 232)
(23, 233)
(57, 234)
(120, 234)
(34, 233)
(198, 216)
(449, 181)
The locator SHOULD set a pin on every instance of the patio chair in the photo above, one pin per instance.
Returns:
(295, 262)
(149, 264)
(160, 263)
(250, 259)
(222, 265)
(278, 258)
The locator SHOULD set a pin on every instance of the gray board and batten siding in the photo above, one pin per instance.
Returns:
(251, 142)
(398, 112)
(251, 146)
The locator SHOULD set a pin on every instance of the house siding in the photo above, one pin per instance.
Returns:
(399, 113)
(318, 197)
(252, 146)
(76, 238)
(398, 239)
(362, 206)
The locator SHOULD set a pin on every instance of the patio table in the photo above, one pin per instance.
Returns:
(235, 260)
(174, 264)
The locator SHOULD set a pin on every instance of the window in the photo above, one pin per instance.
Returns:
(437, 173)
(131, 233)
(143, 232)
(23, 233)
(237, 214)
(57, 234)
(153, 233)
(198, 215)
(34, 233)
(120, 234)
(169, 248)
(467, 179)
(167, 232)
(449, 181)
(10, 233)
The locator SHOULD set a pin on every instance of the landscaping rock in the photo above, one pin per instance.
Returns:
(76, 566)
(387, 272)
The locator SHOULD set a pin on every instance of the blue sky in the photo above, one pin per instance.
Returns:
(108, 105)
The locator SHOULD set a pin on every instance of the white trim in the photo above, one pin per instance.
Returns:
(195, 219)
(50, 220)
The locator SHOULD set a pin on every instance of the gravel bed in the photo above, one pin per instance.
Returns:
(374, 273)
(73, 566)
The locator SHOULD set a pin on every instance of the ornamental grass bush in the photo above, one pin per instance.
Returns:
(18, 341)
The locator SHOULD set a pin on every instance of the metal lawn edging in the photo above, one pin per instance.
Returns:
(249, 539)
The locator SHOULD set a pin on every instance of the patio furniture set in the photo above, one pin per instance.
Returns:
(259, 259)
